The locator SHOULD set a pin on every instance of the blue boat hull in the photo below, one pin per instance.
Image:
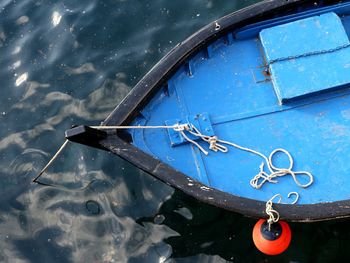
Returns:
(226, 80)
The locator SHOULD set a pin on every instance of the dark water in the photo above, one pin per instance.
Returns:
(71, 62)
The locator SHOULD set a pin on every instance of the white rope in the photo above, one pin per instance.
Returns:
(51, 160)
(176, 127)
(193, 142)
(274, 216)
(262, 177)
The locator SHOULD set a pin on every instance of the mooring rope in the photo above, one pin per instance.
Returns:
(175, 127)
(274, 216)
(35, 180)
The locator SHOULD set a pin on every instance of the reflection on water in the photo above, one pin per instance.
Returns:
(71, 62)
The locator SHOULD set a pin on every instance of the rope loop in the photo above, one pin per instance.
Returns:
(215, 146)
(262, 177)
(285, 152)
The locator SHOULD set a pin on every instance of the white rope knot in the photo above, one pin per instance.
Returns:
(214, 145)
(273, 214)
(211, 140)
(262, 177)
(181, 127)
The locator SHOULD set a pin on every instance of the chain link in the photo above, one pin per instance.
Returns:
(308, 54)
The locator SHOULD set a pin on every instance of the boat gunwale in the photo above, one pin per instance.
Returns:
(156, 78)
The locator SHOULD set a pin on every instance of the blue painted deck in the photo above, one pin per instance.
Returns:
(226, 81)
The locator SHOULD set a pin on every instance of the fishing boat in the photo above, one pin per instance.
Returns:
(255, 105)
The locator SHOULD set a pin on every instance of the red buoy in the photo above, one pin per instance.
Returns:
(272, 242)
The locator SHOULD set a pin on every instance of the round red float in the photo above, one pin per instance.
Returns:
(272, 242)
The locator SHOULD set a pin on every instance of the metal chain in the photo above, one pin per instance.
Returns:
(312, 53)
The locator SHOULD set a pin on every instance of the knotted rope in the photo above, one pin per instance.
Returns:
(262, 177)
(274, 216)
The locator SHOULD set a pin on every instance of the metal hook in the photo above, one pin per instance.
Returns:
(296, 197)
(289, 196)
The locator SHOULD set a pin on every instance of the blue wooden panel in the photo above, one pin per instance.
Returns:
(307, 56)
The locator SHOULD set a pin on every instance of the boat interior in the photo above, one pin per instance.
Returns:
(282, 83)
